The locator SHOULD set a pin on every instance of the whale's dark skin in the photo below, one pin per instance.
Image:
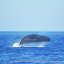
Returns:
(34, 38)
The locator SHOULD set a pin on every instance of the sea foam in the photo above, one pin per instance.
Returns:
(34, 44)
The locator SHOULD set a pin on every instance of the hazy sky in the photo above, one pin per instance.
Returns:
(31, 15)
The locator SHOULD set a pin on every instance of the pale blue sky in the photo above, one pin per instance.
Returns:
(31, 15)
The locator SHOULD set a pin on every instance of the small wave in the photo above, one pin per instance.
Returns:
(43, 44)
(16, 45)
(34, 44)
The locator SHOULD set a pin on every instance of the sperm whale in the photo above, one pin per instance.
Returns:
(34, 38)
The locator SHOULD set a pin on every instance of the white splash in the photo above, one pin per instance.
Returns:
(42, 44)
(16, 45)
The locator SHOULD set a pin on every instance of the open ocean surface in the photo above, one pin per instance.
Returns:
(52, 53)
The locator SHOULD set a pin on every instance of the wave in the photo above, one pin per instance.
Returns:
(16, 45)
(33, 44)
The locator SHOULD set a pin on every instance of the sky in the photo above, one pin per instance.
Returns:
(31, 15)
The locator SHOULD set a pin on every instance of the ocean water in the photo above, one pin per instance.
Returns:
(50, 53)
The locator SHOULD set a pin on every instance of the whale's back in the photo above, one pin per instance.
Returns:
(34, 38)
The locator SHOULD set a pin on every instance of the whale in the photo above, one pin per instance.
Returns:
(34, 38)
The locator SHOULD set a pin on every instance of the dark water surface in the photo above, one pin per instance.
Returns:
(52, 53)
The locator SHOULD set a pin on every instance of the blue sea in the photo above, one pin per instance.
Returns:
(51, 53)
